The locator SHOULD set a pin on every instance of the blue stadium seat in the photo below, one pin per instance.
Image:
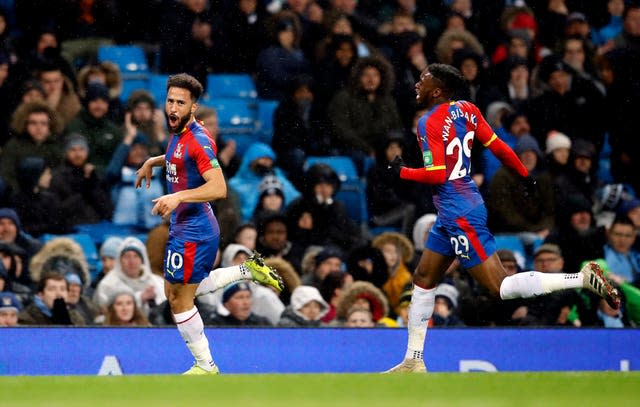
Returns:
(235, 116)
(157, 86)
(342, 165)
(129, 58)
(264, 120)
(130, 85)
(88, 247)
(224, 85)
(352, 193)
(513, 243)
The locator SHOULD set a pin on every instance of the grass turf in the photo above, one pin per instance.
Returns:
(435, 389)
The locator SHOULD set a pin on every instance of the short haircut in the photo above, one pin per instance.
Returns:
(622, 220)
(450, 77)
(46, 276)
(188, 82)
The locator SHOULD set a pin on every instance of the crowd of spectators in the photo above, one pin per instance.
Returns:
(556, 79)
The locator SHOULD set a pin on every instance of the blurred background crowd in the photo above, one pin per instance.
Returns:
(308, 101)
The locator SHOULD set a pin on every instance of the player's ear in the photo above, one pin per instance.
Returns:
(194, 107)
(437, 92)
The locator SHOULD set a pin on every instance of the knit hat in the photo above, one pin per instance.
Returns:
(627, 206)
(76, 140)
(271, 185)
(527, 143)
(73, 278)
(232, 289)
(556, 140)
(327, 253)
(8, 213)
(110, 247)
(583, 148)
(132, 248)
(96, 90)
(550, 65)
(304, 294)
(449, 293)
(9, 301)
(576, 16)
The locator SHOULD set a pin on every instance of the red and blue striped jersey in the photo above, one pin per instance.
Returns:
(190, 154)
(445, 135)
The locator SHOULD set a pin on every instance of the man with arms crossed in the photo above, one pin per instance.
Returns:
(446, 133)
(194, 178)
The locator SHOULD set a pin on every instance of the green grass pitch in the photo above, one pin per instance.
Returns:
(301, 390)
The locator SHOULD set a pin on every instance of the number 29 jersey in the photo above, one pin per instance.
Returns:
(445, 135)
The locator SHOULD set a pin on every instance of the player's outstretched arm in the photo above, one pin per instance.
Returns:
(506, 155)
(213, 189)
(146, 171)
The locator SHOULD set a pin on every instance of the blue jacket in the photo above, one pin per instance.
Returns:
(246, 182)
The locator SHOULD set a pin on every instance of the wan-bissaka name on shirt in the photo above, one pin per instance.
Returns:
(453, 115)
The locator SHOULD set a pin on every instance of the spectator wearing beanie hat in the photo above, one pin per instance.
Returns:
(509, 211)
(108, 256)
(325, 261)
(10, 306)
(558, 147)
(103, 135)
(11, 233)
(579, 179)
(446, 304)
(235, 308)
(132, 271)
(81, 191)
(271, 199)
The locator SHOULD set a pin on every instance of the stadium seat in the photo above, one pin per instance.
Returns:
(342, 165)
(130, 85)
(513, 243)
(231, 86)
(157, 86)
(264, 120)
(235, 116)
(129, 58)
(352, 193)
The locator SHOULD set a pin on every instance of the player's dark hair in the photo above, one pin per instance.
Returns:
(450, 77)
(188, 82)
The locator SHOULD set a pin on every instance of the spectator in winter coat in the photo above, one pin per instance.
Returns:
(306, 310)
(81, 191)
(132, 271)
(257, 162)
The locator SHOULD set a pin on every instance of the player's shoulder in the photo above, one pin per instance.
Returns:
(467, 106)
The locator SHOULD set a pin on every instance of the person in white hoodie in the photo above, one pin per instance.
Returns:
(306, 309)
(132, 271)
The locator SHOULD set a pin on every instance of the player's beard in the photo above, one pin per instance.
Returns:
(181, 122)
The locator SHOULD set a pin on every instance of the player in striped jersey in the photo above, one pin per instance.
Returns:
(446, 133)
(194, 178)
